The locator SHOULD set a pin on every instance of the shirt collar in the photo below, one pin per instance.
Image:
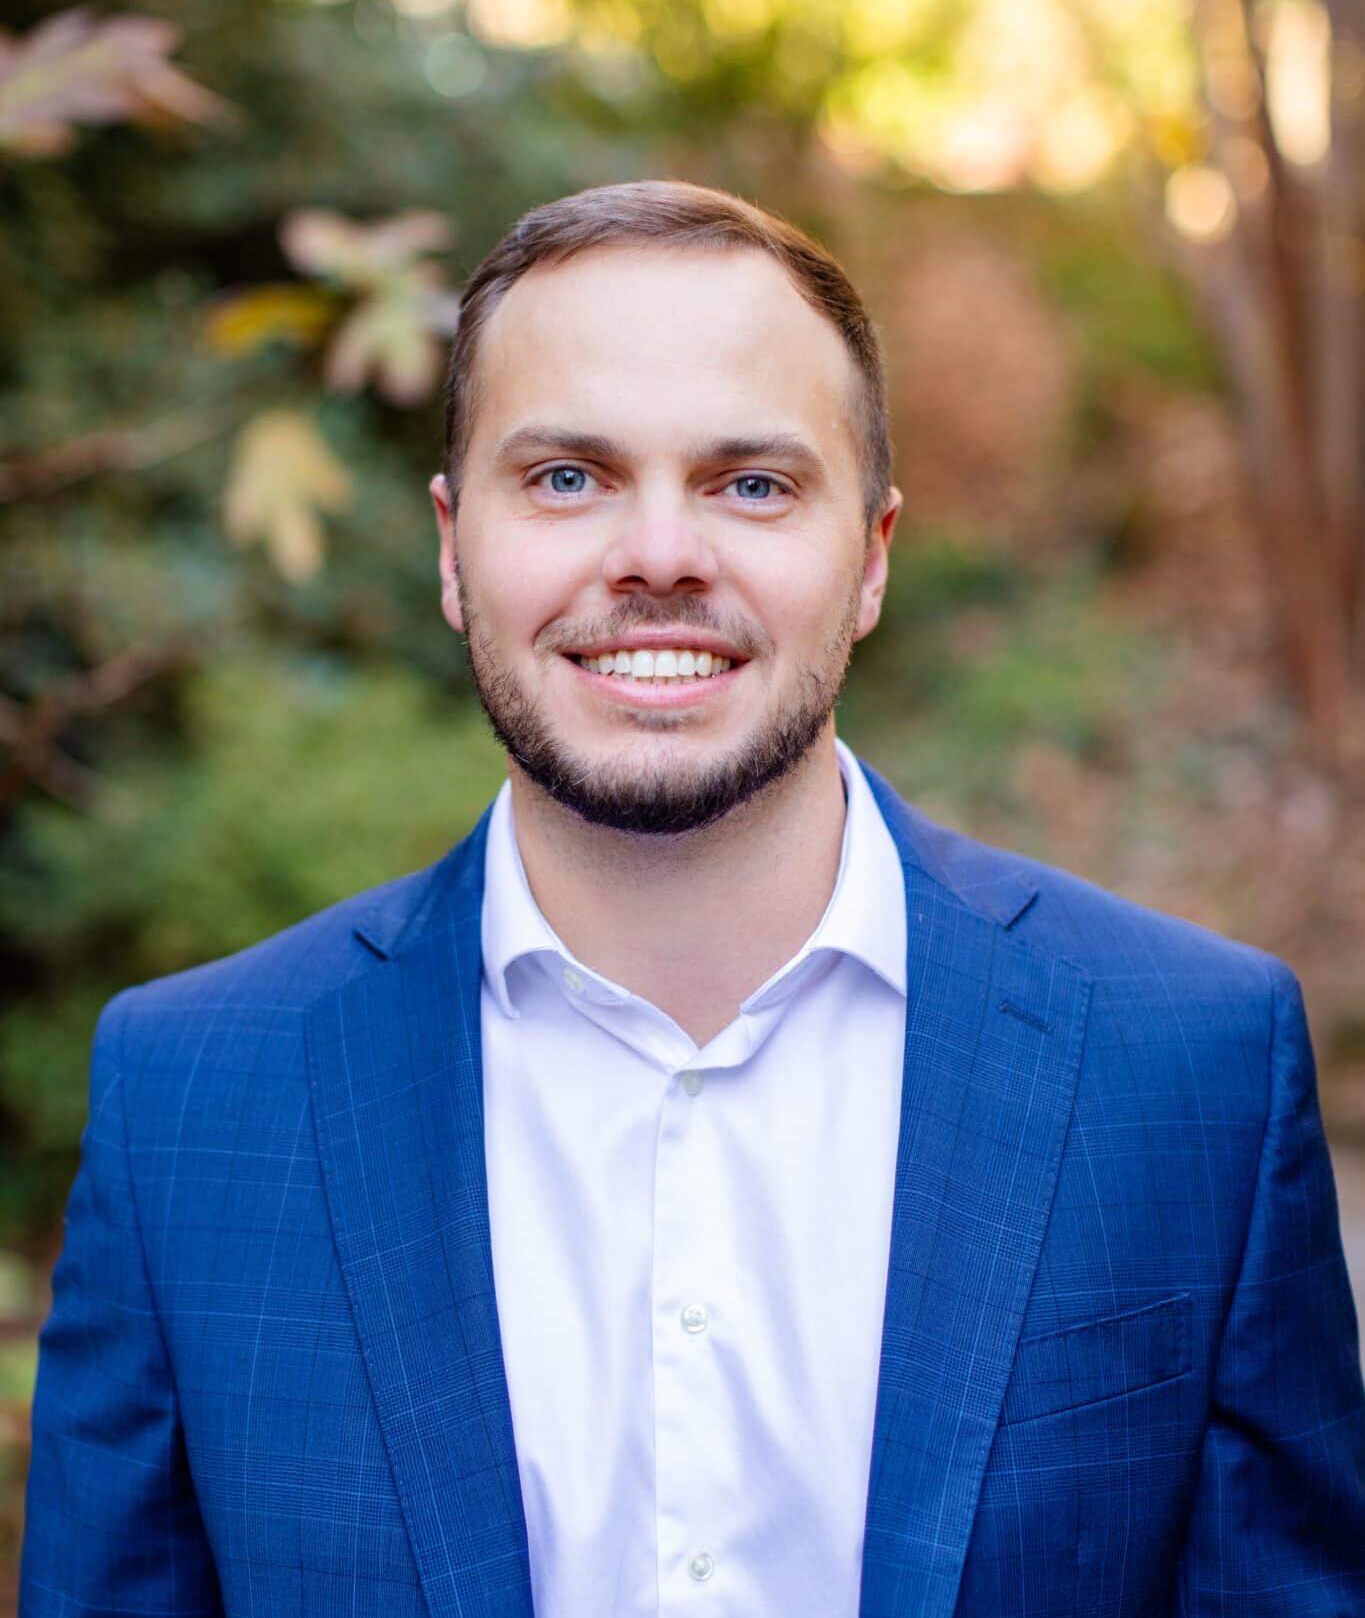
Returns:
(858, 921)
(865, 916)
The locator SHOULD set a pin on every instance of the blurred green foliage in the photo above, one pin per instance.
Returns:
(284, 784)
(299, 741)
(977, 656)
(285, 743)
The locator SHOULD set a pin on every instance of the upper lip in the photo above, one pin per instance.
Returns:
(659, 640)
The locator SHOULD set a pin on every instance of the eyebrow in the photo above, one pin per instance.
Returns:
(558, 440)
(788, 447)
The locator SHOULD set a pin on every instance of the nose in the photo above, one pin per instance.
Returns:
(660, 550)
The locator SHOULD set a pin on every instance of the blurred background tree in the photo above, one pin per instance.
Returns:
(1116, 250)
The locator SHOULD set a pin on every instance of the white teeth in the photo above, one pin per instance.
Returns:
(666, 667)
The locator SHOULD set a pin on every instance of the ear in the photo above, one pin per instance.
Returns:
(444, 507)
(875, 565)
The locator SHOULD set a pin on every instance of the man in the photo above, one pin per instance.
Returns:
(710, 1188)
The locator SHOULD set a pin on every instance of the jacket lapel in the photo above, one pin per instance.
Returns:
(992, 1045)
(395, 1061)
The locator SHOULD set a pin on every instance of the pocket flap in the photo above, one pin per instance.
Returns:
(1099, 1360)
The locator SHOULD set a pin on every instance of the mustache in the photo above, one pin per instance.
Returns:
(645, 612)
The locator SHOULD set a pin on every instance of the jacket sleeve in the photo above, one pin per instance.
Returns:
(1278, 1523)
(112, 1523)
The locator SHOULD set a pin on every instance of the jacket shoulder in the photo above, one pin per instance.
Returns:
(1115, 937)
(1105, 935)
(293, 967)
(233, 1028)
(1182, 1024)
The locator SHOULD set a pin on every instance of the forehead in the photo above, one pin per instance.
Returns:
(639, 341)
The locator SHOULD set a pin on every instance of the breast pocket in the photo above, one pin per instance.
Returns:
(1100, 1359)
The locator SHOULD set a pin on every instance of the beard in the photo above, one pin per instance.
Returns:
(661, 798)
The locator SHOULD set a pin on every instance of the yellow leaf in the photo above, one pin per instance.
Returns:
(282, 475)
(242, 322)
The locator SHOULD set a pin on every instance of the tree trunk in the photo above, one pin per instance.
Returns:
(1285, 299)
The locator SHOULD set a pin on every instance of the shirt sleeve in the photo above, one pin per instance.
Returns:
(1278, 1523)
(111, 1524)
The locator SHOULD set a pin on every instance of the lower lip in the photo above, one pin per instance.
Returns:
(649, 694)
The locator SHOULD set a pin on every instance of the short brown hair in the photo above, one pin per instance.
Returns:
(673, 214)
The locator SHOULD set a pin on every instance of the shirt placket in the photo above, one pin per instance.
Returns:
(697, 1467)
(690, 1547)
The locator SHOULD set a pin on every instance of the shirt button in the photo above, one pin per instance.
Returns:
(696, 1317)
(701, 1565)
(692, 1083)
(573, 980)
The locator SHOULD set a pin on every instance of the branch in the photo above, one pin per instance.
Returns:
(118, 450)
(1340, 334)
(30, 730)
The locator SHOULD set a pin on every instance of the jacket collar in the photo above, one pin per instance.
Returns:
(996, 886)
(401, 912)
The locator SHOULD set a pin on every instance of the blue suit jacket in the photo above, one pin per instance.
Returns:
(1119, 1369)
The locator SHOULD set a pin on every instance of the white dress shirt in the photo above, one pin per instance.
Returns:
(690, 1252)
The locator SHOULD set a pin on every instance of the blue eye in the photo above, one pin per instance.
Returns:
(755, 487)
(567, 479)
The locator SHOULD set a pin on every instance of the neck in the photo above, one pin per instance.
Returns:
(692, 923)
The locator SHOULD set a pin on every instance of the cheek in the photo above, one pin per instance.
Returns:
(802, 601)
(514, 617)
(513, 588)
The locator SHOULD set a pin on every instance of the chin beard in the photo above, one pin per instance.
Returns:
(656, 801)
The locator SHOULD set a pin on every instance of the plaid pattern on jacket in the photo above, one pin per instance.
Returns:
(1119, 1373)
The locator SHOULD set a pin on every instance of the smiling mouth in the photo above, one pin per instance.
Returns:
(680, 666)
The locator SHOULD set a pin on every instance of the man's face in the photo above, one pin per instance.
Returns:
(662, 461)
